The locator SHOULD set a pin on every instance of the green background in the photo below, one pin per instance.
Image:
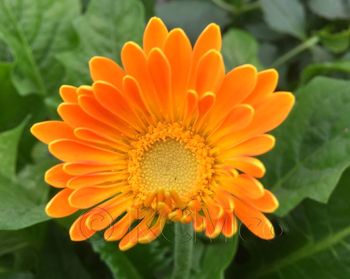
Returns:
(45, 43)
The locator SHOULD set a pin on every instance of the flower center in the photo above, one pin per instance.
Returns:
(170, 166)
(170, 159)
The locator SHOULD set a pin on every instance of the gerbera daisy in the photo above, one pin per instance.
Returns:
(167, 136)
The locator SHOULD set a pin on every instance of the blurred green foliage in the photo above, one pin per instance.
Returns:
(44, 43)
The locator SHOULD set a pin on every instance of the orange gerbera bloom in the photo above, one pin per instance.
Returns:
(168, 136)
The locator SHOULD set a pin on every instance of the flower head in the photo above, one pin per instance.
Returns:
(167, 136)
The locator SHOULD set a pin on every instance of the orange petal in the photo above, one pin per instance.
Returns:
(271, 113)
(48, 131)
(239, 118)
(238, 84)
(103, 68)
(96, 179)
(206, 102)
(199, 223)
(113, 100)
(248, 165)
(88, 168)
(229, 227)
(213, 209)
(135, 64)
(243, 186)
(90, 105)
(58, 206)
(265, 85)
(104, 215)
(131, 238)
(213, 226)
(134, 94)
(152, 232)
(267, 203)
(57, 177)
(70, 150)
(235, 87)
(252, 147)
(154, 35)
(159, 69)
(75, 117)
(68, 93)
(191, 105)
(226, 200)
(178, 50)
(210, 38)
(119, 229)
(254, 220)
(93, 108)
(209, 72)
(90, 136)
(79, 231)
(89, 196)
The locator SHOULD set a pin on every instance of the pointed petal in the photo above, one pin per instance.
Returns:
(84, 168)
(159, 69)
(70, 150)
(68, 93)
(96, 179)
(210, 38)
(113, 101)
(254, 220)
(267, 203)
(103, 68)
(79, 231)
(265, 85)
(248, 165)
(209, 72)
(48, 131)
(58, 206)
(178, 50)
(57, 177)
(87, 197)
(154, 35)
(75, 117)
(252, 147)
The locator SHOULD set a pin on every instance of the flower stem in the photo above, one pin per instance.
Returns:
(183, 248)
(295, 51)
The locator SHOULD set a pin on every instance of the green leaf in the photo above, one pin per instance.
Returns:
(286, 16)
(32, 180)
(5, 54)
(11, 241)
(58, 258)
(313, 146)
(335, 9)
(213, 258)
(14, 108)
(315, 242)
(239, 47)
(36, 31)
(336, 42)
(17, 210)
(159, 255)
(16, 275)
(149, 7)
(328, 68)
(8, 151)
(192, 15)
(119, 264)
(102, 31)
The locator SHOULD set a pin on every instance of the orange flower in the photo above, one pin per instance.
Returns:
(168, 136)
